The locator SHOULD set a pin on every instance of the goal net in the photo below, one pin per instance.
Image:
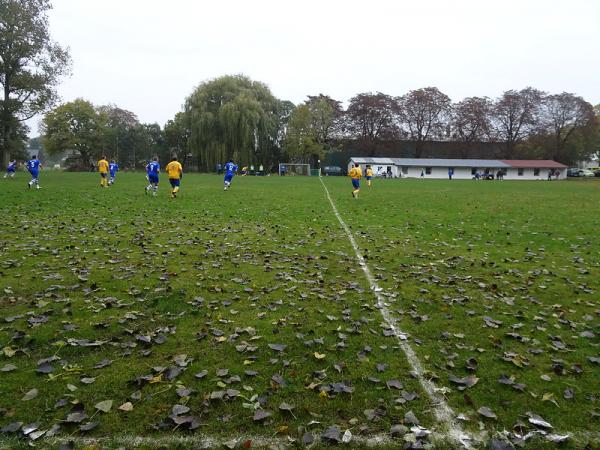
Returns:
(294, 169)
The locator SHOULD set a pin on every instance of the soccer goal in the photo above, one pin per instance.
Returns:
(294, 169)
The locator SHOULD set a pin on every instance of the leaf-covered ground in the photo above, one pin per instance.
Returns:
(245, 313)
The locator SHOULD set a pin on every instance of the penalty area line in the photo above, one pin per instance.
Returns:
(443, 412)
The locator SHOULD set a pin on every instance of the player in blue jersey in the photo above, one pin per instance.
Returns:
(230, 170)
(113, 168)
(11, 169)
(152, 171)
(33, 165)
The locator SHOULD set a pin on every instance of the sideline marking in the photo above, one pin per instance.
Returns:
(207, 441)
(443, 413)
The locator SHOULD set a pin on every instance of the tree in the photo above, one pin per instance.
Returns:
(285, 108)
(176, 136)
(423, 114)
(563, 115)
(326, 117)
(301, 142)
(31, 65)
(119, 133)
(471, 119)
(76, 127)
(149, 142)
(515, 117)
(371, 117)
(232, 117)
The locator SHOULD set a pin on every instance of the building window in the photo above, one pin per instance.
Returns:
(405, 170)
(536, 172)
(427, 170)
(473, 170)
(521, 172)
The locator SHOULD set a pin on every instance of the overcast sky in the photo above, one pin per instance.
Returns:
(148, 55)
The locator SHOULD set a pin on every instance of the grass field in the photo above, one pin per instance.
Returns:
(245, 315)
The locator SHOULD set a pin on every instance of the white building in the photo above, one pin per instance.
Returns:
(465, 169)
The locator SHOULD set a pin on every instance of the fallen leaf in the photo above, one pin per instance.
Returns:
(127, 406)
(104, 406)
(487, 412)
(30, 395)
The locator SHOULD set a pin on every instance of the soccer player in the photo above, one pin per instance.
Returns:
(11, 169)
(113, 168)
(369, 175)
(230, 170)
(33, 165)
(175, 172)
(103, 169)
(356, 174)
(152, 171)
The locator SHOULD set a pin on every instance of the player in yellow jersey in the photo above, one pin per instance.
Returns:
(103, 169)
(369, 175)
(175, 172)
(356, 174)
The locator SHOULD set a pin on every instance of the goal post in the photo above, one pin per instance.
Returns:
(293, 169)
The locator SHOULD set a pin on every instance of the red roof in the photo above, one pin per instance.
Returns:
(534, 164)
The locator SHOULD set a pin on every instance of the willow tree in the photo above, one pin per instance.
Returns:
(233, 117)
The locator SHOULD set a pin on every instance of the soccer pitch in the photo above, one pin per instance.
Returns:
(245, 318)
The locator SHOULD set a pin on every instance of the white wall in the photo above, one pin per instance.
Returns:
(460, 173)
(376, 171)
(528, 174)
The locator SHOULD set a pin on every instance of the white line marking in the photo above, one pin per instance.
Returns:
(443, 413)
(201, 440)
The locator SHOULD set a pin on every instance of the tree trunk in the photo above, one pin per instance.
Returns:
(5, 117)
(418, 149)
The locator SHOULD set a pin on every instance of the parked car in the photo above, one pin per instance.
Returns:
(575, 172)
(332, 170)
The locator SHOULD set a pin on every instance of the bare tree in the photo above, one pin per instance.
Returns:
(563, 114)
(423, 114)
(471, 119)
(371, 116)
(516, 117)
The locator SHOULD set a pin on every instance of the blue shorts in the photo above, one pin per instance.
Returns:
(153, 178)
(103, 174)
(174, 182)
(369, 178)
(112, 175)
(34, 174)
(356, 184)
(10, 170)
(228, 177)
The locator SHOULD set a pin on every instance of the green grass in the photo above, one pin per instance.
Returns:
(221, 275)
